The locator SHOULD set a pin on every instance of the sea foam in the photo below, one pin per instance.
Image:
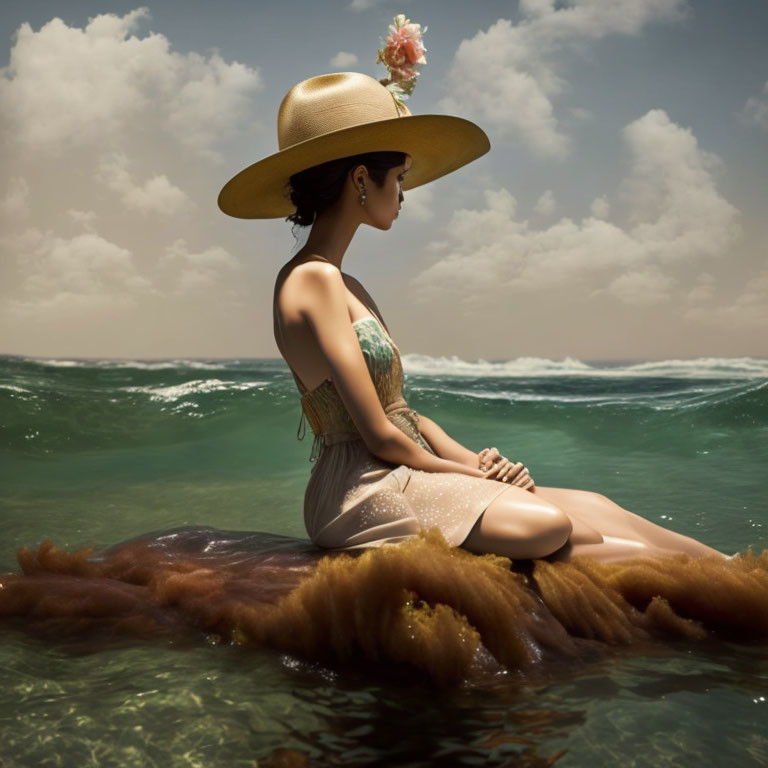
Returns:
(699, 368)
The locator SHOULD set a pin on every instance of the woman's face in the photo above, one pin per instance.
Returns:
(382, 204)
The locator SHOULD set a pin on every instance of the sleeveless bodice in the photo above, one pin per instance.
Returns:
(325, 411)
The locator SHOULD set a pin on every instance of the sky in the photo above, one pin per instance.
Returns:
(619, 215)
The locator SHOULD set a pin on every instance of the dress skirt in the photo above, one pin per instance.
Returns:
(355, 500)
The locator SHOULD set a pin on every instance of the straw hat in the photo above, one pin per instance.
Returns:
(339, 115)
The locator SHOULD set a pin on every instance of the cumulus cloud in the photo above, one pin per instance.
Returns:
(343, 59)
(640, 288)
(418, 204)
(546, 204)
(755, 111)
(703, 289)
(64, 276)
(195, 272)
(676, 209)
(580, 114)
(600, 207)
(676, 216)
(83, 219)
(748, 311)
(68, 86)
(104, 108)
(156, 195)
(509, 75)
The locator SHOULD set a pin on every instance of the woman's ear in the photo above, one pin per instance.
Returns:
(359, 176)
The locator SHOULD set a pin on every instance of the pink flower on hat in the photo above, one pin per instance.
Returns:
(402, 51)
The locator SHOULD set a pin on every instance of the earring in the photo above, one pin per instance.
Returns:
(362, 196)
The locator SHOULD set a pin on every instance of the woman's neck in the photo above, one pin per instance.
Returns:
(331, 235)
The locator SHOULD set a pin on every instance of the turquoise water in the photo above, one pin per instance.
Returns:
(97, 452)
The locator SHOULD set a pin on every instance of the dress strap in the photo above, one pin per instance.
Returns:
(317, 443)
(302, 430)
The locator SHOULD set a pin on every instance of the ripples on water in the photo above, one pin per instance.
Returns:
(403, 655)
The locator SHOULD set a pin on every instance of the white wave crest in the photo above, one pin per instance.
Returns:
(160, 365)
(201, 386)
(53, 363)
(14, 388)
(689, 397)
(141, 365)
(535, 367)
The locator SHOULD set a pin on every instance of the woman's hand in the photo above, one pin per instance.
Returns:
(498, 467)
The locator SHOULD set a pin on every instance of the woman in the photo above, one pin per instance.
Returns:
(348, 148)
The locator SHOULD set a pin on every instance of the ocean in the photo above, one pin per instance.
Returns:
(186, 478)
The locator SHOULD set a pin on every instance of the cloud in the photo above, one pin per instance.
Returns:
(65, 276)
(342, 60)
(755, 111)
(676, 209)
(508, 74)
(196, 272)
(580, 114)
(675, 217)
(703, 289)
(640, 288)
(417, 204)
(748, 311)
(66, 86)
(82, 219)
(100, 109)
(210, 97)
(546, 204)
(156, 195)
(600, 207)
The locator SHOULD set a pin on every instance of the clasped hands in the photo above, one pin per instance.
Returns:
(498, 467)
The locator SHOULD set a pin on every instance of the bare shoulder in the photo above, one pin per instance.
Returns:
(309, 288)
(310, 268)
(296, 279)
(316, 277)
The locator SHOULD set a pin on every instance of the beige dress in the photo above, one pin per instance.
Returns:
(353, 498)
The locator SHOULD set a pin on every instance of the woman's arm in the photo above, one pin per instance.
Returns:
(444, 445)
(440, 442)
(325, 309)
(500, 468)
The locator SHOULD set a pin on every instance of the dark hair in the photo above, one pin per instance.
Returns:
(319, 187)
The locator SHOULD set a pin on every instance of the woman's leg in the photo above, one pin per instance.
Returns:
(624, 533)
(515, 528)
(519, 525)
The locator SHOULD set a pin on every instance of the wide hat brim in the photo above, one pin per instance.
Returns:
(437, 144)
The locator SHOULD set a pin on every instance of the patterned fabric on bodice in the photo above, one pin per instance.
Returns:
(324, 410)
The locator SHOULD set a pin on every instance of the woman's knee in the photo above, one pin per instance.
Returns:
(546, 526)
(524, 526)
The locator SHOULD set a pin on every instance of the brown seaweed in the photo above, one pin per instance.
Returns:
(443, 611)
